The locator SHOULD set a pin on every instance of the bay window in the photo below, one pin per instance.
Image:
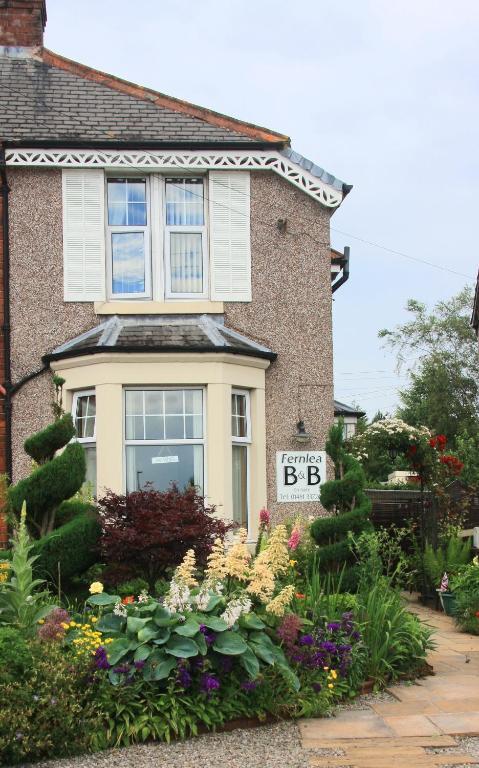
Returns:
(84, 419)
(241, 439)
(164, 438)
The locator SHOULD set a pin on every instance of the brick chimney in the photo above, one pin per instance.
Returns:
(22, 23)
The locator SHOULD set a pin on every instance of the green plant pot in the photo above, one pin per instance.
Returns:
(448, 602)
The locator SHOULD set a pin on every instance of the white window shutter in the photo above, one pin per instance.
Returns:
(230, 238)
(83, 235)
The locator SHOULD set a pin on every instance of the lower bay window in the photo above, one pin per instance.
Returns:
(84, 419)
(241, 437)
(164, 438)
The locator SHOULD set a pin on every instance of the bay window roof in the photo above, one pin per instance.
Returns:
(161, 333)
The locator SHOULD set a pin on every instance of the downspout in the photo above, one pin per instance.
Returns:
(345, 276)
(5, 189)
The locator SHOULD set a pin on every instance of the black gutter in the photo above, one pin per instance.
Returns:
(129, 348)
(7, 383)
(132, 144)
(345, 276)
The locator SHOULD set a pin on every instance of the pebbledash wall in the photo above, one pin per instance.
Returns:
(290, 311)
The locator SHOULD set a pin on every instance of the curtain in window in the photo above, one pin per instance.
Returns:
(186, 262)
(240, 485)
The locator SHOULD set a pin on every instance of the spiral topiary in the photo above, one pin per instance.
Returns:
(55, 479)
(349, 506)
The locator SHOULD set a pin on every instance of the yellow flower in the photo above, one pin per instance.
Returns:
(41, 621)
(93, 619)
(184, 574)
(334, 674)
(238, 558)
(73, 624)
(96, 588)
(293, 563)
(278, 605)
(216, 561)
(330, 685)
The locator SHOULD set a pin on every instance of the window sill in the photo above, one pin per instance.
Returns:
(158, 307)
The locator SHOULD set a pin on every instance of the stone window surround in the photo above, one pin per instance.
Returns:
(109, 373)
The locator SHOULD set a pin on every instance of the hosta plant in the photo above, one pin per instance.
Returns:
(201, 628)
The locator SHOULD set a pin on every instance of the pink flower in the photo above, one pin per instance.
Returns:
(294, 539)
(264, 517)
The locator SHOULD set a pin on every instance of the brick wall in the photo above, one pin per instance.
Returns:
(22, 22)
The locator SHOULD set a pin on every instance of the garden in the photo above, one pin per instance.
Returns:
(146, 617)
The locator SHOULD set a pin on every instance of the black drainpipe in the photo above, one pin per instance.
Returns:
(345, 275)
(5, 189)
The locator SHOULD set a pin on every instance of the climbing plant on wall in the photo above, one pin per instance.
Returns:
(347, 503)
(56, 476)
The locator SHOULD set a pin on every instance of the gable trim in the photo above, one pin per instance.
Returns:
(168, 161)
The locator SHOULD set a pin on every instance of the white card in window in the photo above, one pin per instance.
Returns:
(165, 459)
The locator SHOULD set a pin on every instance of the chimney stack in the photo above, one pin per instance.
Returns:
(22, 23)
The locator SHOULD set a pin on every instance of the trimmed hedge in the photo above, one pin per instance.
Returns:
(344, 497)
(43, 445)
(74, 546)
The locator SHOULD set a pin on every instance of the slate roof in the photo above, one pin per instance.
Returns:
(48, 98)
(161, 333)
(341, 409)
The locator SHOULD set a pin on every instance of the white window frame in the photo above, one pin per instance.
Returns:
(87, 442)
(76, 397)
(177, 441)
(168, 229)
(117, 229)
(243, 441)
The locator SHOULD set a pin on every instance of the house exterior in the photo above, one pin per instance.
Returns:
(174, 266)
(350, 415)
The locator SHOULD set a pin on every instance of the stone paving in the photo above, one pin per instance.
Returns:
(424, 718)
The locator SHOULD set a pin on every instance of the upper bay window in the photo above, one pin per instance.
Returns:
(178, 259)
(158, 237)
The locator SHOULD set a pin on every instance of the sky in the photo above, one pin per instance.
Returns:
(383, 95)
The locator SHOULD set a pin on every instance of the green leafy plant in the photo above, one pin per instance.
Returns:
(465, 586)
(22, 604)
(447, 559)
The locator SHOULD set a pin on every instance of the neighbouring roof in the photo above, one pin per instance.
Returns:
(161, 333)
(475, 309)
(341, 409)
(47, 97)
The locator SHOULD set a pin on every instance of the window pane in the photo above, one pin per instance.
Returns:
(184, 202)
(240, 485)
(126, 202)
(193, 427)
(90, 456)
(163, 465)
(128, 262)
(186, 262)
(193, 401)
(85, 416)
(154, 401)
(155, 428)
(174, 401)
(174, 428)
(239, 421)
(133, 401)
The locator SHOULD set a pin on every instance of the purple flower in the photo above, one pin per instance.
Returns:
(101, 658)
(355, 635)
(208, 634)
(226, 664)
(334, 626)
(249, 685)
(306, 640)
(139, 664)
(122, 669)
(209, 683)
(183, 677)
(317, 687)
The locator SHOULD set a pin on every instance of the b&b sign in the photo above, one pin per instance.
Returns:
(299, 475)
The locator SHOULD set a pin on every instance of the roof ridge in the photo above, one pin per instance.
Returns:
(159, 99)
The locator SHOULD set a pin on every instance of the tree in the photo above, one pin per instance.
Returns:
(439, 350)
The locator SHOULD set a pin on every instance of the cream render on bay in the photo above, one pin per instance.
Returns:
(219, 373)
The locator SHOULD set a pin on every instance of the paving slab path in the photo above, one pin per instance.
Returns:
(422, 720)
